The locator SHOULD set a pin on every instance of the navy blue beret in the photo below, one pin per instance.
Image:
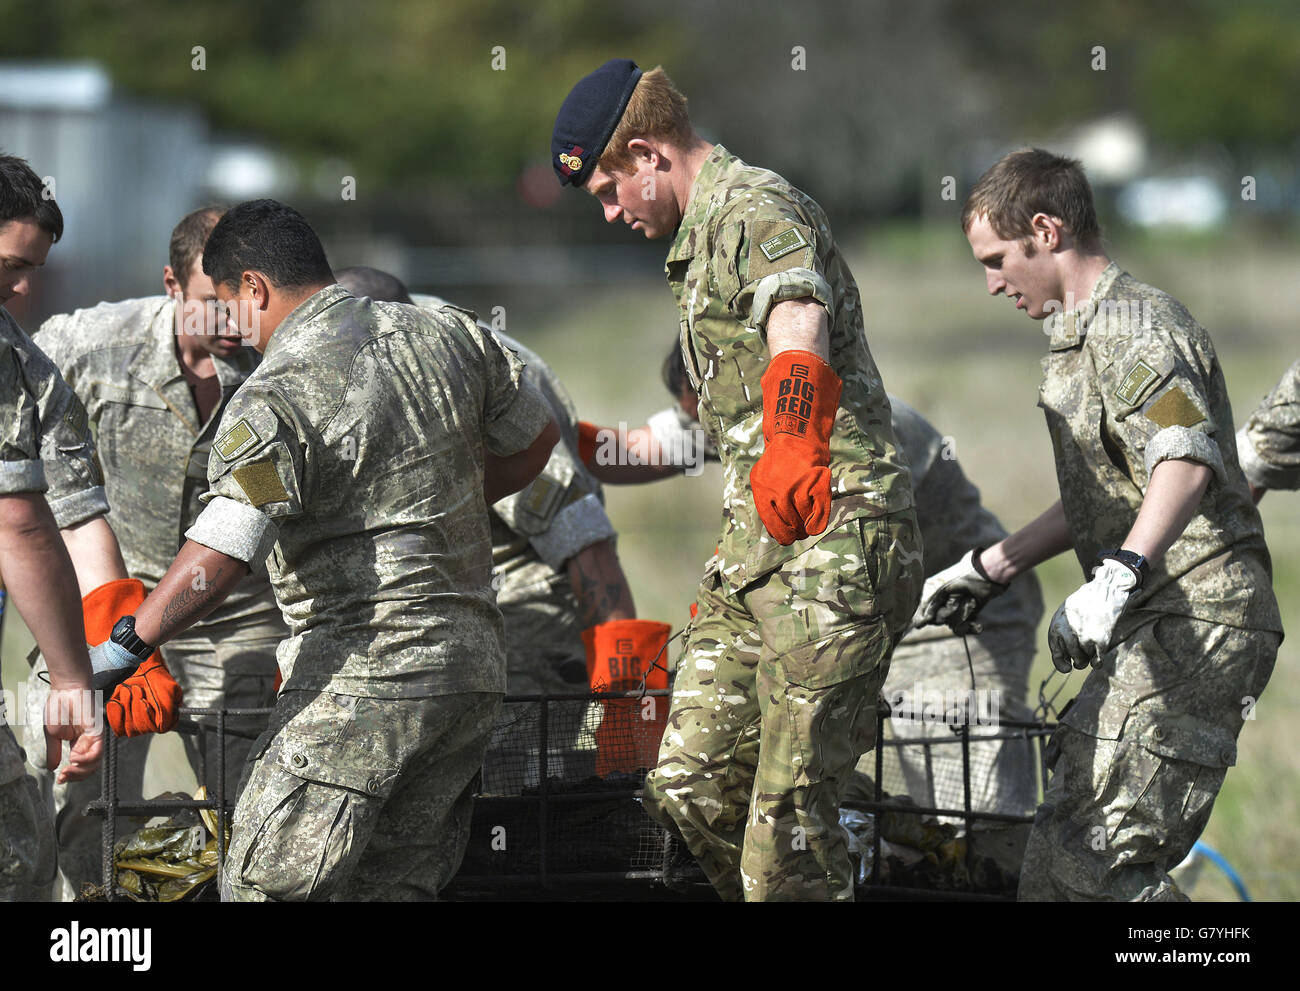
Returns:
(588, 117)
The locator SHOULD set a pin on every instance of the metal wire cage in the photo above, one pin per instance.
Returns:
(551, 821)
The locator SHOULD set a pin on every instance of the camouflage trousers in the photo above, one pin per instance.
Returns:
(230, 664)
(928, 679)
(774, 702)
(1139, 758)
(27, 853)
(350, 798)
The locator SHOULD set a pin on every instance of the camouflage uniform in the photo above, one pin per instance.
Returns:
(534, 534)
(1269, 443)
(41, 419)
(933, 658)
(767, 724)
(351, 465)
(121, 360)
(1132, 380)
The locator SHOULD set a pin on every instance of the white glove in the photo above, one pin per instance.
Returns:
(1082, 628)
(956, 594)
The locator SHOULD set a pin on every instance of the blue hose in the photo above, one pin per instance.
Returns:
(1221, 862)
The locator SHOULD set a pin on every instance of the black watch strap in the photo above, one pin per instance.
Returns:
(124, 635)
(1135, 562)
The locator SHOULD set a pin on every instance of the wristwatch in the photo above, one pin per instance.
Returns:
(1135, 563)
(124, 635)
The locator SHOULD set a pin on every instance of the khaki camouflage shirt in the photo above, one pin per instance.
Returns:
(749, 240)
(1269, 443)
(537, 530)
(121, 360)
(1132, 380)
(354, 456)
(45, 443)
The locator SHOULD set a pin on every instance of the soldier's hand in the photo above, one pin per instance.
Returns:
(1084, 625)
(74, 714)
(955, 595)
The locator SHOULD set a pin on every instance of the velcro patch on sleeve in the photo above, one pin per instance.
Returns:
(239, 438)
(541, 498)
(1174, 409)
(778, 245)
(1140, 379)
(260, 482)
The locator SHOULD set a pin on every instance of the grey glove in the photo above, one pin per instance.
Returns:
(955, 595)
(112, 664)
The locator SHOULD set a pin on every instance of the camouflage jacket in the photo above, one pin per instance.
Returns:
(1132, 380)
(45, 443)
(1269, 443)
(353, 456)
(749, 240)
(537, 530)
(121, 360)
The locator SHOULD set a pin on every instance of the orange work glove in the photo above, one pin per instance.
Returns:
(149, 701)
(791, 480)
(619, 654)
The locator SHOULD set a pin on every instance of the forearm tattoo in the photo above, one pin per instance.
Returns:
(189, 604)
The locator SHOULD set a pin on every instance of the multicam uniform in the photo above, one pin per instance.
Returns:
(351, 464)
(121, 360)
(1269, 443)
(766, 727)
(534, 533)
(1132, 380)
(40, 419)
(933, 658)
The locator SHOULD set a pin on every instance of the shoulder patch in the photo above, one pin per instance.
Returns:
(260, 482)
(782, 244)
(1174, 409)
(75, 418)
(777, 245)
(541, 497)
(1139, 379)
(238, 439)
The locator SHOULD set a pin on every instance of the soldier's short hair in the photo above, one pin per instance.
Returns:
(269, 237)
(657, 109)
(1027, 182)
(188, 238)
(381, 286)
(24, 196)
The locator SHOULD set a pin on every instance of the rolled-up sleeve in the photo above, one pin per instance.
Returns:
(1157, 398)
(21, 469)
(768, 254)
(256, 477)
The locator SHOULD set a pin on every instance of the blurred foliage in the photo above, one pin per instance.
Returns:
(405, 89)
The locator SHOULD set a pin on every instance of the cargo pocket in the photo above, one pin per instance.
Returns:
(1177, 766)
(831, 691)
(311, 809)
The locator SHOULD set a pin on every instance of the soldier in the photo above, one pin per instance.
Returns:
(155, 375)
(1178, 620)
(1269, 443)
(38, 415)
(927, 663)
(356, 464)
(819, 558)
(556, 572)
